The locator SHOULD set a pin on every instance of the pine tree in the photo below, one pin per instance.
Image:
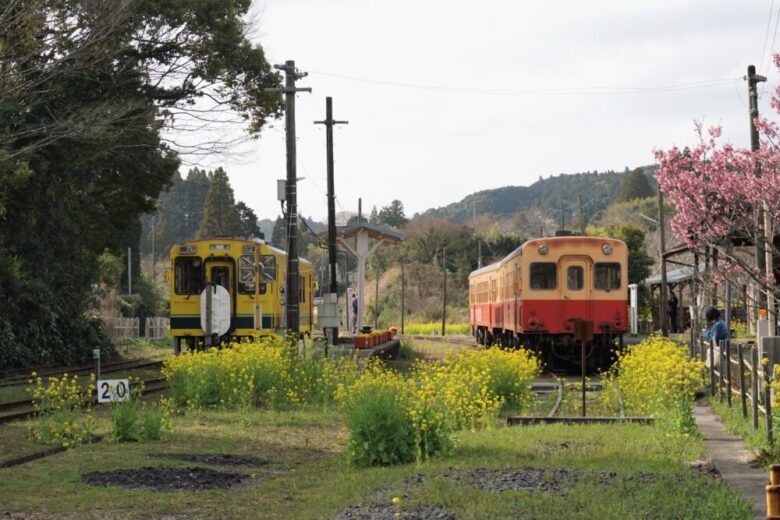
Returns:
(220, 216)
(374, 217)
(635, 186)
(393, 215)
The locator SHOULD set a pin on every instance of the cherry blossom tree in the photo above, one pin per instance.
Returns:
(719, 192)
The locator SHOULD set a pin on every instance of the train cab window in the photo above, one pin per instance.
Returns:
(607, 276)
(575, 278)
(188, 275)
(543, 275)
(246, 273)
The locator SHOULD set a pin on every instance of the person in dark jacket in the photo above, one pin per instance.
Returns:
(354, 313)
(672, 310)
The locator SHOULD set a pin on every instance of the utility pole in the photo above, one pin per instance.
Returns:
(444, 298)
(376, 301)
(329, 123)
(403, 288)
(129, 270)
(661, 226)
(474, 218)
(582, 215)
(753, 80)
(291, 74)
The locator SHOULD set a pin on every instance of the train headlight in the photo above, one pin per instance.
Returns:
(606, 249)
(544, 249)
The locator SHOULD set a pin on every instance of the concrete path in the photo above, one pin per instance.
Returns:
(729, 455)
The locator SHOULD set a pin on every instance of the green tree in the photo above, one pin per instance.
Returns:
(249, 227)
(373, 218)
(635, 186)
(86, 90)
(279, 236)
(393, 215)
(220, 215)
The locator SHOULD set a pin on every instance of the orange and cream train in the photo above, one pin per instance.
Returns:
(535, 296)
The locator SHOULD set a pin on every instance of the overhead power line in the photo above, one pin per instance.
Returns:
(564, 91)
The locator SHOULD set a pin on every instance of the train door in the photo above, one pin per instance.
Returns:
(575, 288)
(220, 271)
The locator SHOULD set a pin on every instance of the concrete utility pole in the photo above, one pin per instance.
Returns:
(444, 298)
(329, 123)
(403, 288)
(291, 74)
(753, 80)
(661, 226)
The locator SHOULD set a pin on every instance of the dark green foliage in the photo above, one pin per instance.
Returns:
(249, 227)
(82, 105)
(392, 215)
(635, 186)
(220, 216)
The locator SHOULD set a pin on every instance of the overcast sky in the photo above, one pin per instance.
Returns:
(445, 98)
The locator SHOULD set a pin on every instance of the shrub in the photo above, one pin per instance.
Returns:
(63, 414)
(380, 426)
(393, 419)
(124, 421)
(658, 378)
(266, 372)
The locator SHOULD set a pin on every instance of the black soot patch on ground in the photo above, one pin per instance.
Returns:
(214, 459)
(389, 511)
(164, 478)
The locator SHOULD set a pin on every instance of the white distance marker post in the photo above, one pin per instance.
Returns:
(113, 390)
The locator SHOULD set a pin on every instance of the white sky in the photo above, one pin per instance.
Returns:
(431, 147)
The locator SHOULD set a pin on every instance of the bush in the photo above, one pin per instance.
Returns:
(381, 429)
(266, 372)
(657, 378)
(394, 420)
(63, 414)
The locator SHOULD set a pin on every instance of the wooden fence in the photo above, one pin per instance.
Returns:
(120, 328)
(735, 372)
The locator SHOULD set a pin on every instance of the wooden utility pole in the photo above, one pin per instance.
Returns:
(329, 123)
(291, 74)
(444, 294)
(753, 80)
(661, 226)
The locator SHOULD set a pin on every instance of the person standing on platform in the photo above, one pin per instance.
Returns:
(672, 310)
(354, 313)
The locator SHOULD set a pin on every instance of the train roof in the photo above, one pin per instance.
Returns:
(578, 239)
(245, 240)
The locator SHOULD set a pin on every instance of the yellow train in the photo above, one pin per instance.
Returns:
(226, 288)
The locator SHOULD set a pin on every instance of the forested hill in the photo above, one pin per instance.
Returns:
(598, 190)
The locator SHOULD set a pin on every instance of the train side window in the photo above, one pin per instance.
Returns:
(543, 275)
(607, 276)
(188, 275)
(575, 278)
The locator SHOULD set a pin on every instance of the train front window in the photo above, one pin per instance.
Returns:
(220, 275)
(607, 276)
(246, 273)
(543, 275)
(575, 278)
(188, 275)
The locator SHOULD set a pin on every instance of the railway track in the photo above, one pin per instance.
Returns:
(23, 409)
(107, 368)
(444, 339)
